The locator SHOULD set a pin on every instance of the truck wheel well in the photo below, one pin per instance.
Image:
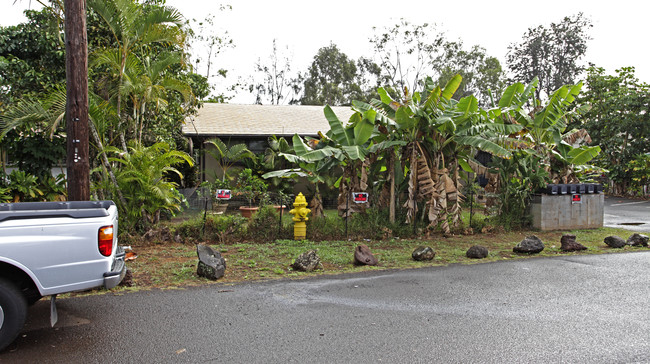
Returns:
(22, 280)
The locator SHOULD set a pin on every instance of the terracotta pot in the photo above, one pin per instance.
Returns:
(248, 211)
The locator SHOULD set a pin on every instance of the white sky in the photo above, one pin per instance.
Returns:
(619, 33)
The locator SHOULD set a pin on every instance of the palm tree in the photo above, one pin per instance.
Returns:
(142, 178)
(147, 83)
(133, 25)
(226, 156)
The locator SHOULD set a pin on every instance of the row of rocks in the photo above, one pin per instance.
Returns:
(634, 240)
(213, 266)
(533, 245)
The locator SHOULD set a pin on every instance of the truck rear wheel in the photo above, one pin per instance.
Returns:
(13, 311)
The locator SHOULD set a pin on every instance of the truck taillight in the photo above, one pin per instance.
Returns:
(105, 240)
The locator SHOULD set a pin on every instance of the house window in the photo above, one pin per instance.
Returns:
(257, 146)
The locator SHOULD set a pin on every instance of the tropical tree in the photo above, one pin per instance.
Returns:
(147, 83)
(438, 134)
(133, 26)
(226, 156)
(315, 164)
(618, 121)
(142, 175)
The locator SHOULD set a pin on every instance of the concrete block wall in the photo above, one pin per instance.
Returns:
(558, 212)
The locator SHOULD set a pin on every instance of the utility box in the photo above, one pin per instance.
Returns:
(562, 207)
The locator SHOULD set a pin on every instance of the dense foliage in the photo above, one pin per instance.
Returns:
(551, 54)
(619, 122)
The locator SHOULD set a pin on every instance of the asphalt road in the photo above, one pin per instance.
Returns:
(633, 215)
(577, 309)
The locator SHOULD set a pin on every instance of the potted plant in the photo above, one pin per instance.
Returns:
(253, 189)
(219, 205)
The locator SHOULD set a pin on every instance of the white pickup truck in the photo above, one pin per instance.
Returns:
(49, 248)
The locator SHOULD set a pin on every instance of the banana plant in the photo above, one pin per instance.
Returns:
(314, 164)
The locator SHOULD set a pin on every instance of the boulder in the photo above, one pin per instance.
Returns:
(637, 240)
(178, 239)
(477, 252)
(307, 262)
(363, 256)
(530, 245)
(569, 243)
(211, 264)
(422, 253)
(615, 242)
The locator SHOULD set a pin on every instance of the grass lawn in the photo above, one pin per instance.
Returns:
(170, 265)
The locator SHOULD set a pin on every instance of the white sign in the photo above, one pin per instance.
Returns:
(223, 195)
(360, 197)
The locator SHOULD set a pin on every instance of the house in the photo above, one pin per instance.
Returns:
(253, 125)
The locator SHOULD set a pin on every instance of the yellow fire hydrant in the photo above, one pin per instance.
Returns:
(299, 213)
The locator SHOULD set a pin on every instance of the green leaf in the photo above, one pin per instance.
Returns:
(451, 87)
(467, 105)
(510, 95)
(363, 131)
(484, 145)
(583, 154)
(465, 166)
(385, 98)
(336, 127)
(285, 173)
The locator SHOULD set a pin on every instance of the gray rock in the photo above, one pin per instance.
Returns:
(422, 253)
(637, 240)
(363, 256)
(569, 243)
(615, 242)
(530, 245)
(307, 262)
(477, 252)
(211, 264)
(178, 239)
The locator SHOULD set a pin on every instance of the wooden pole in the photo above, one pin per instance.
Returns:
(76, 109)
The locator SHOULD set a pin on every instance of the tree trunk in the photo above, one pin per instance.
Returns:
(107, 164)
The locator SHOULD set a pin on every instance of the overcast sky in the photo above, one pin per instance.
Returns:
(619, 33)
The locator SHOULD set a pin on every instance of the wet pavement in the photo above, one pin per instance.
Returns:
(629, 214)
(572, 308)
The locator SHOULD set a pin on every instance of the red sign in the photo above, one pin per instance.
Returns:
(360, 197)
(223, 194)
(576, 198)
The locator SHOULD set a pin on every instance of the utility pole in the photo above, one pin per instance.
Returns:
(76, 108)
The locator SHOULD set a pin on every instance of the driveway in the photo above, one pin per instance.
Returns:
(569, 309)
(633, 215)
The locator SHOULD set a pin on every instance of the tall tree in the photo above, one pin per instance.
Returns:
(134, 25)
(405, 52)
(205, 43)
(273, 84)
(618, 121)
(335, 79)
(482, 74)
(551, 54)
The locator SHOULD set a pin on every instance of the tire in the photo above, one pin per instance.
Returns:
(14, 309)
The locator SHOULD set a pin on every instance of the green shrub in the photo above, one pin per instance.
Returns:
(265, 226)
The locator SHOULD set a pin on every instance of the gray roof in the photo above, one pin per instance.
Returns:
(260, 120)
